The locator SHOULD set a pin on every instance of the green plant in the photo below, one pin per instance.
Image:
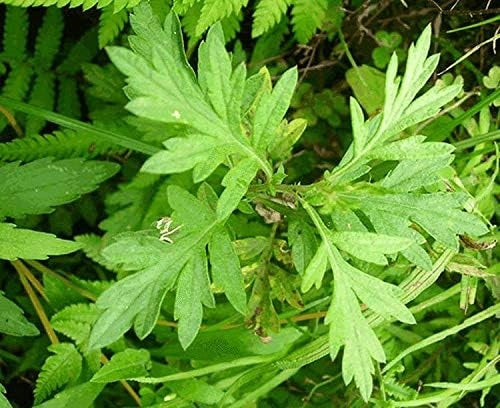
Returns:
(218, 245)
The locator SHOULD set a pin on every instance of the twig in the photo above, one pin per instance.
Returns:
(470, 52)
(23, 271)
(36, 284)
(472, 12)
(12, 121)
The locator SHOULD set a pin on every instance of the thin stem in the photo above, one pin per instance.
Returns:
(21, 270)
(36, 284)
(74, 124)
(43, 269)
(12, 121)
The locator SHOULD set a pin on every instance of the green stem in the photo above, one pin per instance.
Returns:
(446, 129)
(477, 318)
(74, 124)
(241, 362)
(473, 141)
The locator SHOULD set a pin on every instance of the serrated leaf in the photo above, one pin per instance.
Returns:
(303, 242)
(75, 321)
(316, 268)
(18, 243)
(37, 187)
(267, 14)
(63, 367)
(124, 302)
(308, 16)
(214, 10)
(12, 320)
(126, 364)
(192, 289)
(348, 327)
(440, 214)
(214, 71)
(81, 396)
(400, 111)
(271, 109)
(369, 246)
(236, 182)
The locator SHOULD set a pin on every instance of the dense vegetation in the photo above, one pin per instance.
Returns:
(233, 203)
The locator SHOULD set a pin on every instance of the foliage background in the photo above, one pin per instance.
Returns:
(53, 58)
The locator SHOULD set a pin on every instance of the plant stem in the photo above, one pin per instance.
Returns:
(22, 270)
(43, 269)
(74, 124)
(36, 284)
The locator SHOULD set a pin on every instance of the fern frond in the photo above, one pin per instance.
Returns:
(267, 14)
(48, 40)
(84, 50)
(231, 25)
(215, 10)
(190, 21)
(308, 16)
(59, 144)
(15, 35)
(58, 370)
(75, 321)
(16, 85)
(86, 4)
(43, 96)
(106, 83)
(182, 6)
(110, 25)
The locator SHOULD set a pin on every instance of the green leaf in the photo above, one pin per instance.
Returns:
(193, 291)
(126, 364)
(159, 265)
(303, 241)
(75, 321)
(226, 270)
(348, 326)
(267, 14)
(27, 244)
(58, 370)
(111, 23)
(82, 395)
(440, 214)
(368, 246)
(214, 71)
(308, 16)
(209, 106)
(13, 322)
(214, 10)
(36, 187)
(4, 403)
(315, 269)
(400, 111)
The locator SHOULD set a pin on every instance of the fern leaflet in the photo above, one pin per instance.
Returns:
(267, 14)
(308, 16)
(111, 24)
(58, 370)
